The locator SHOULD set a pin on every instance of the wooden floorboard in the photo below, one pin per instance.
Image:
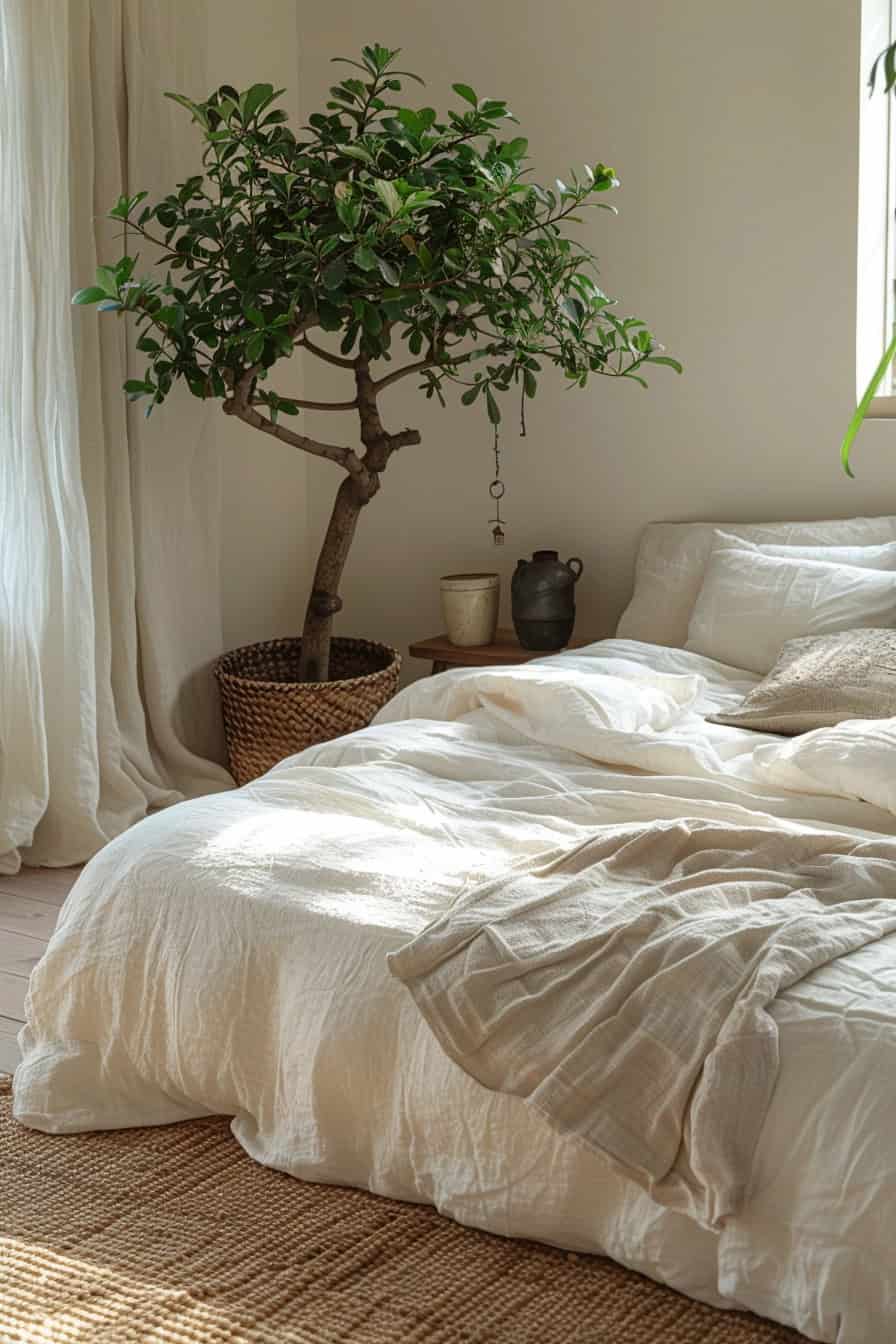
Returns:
(9, 1054)
(21, 914)
(29, 908)
(19, 954)
(50, 885)
(12, 995)
(9, 1050)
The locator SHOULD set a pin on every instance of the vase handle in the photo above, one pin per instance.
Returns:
(575, 568)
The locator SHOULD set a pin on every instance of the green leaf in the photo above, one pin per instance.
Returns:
(861, 410)
(330, 316)
(335, 274)
(255, 347)
(887, 56)
(529, 384)
(388, 195)
(494, 410)
(409, 120)
(92, 294)
(348, 340)
(349, 211)
(464, 91)
(107, 279)
(366, 258)
(255, 316)
(378, 58)
(373, 323)
(356, 152)
(421, 200)
(254, 99)
(669, 362)
(388, 271)
(196, 111)
(471, 394)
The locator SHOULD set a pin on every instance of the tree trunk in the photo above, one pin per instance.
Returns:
(325, 601)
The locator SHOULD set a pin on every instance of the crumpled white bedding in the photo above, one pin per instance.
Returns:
(228, 955)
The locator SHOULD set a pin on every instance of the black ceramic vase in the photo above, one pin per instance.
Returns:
(543, 600)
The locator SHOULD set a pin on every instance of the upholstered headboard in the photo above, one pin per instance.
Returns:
(672, 559)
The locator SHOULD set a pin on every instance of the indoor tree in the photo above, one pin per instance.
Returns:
(388, 226)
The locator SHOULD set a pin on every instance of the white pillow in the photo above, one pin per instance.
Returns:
(672, 560)
(751, 604)
(853, 759)
(882, 556)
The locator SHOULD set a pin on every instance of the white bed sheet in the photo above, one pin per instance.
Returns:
(228, 956)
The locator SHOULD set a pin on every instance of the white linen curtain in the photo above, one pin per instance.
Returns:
(110, 611)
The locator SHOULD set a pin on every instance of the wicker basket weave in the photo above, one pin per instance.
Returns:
(269, 714)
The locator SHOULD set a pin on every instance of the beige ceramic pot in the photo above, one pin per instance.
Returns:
(470, 607)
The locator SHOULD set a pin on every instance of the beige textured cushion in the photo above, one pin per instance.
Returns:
(820, 681)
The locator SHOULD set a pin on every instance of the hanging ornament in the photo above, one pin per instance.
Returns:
(496, 490)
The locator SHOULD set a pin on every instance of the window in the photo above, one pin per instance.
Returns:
(876, 293)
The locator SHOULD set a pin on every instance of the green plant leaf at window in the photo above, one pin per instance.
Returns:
(861, 410)
(886, 62)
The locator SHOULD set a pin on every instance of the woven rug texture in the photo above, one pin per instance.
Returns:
(172, 1235)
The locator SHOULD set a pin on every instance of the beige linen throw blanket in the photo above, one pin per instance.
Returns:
(623, 987)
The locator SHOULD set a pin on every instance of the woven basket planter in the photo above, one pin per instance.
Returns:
(269, 714)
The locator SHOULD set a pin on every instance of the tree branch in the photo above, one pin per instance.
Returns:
(326, 356)
(405, 372)
(403, 438)
(344, 457)
(298, 329)
(310, 405)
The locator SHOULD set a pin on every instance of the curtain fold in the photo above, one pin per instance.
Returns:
(110, 605)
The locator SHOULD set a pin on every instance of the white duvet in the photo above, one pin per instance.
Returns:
(229, 955)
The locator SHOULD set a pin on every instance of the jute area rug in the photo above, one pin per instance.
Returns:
(174, 1235)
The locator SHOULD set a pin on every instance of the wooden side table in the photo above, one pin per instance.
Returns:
(504, 652)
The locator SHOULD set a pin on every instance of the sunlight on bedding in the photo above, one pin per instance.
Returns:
(249, 850)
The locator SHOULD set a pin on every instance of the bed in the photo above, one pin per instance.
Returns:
(230, 956)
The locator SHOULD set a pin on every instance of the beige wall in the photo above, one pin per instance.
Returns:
(734, 130)
(265, 548)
